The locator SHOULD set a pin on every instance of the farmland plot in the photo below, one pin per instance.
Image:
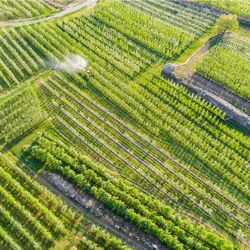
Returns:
(238, 7)
(30, 215)
(228, 63)
(18, 9)
(157, 156)
(29, 49)
(149, 214)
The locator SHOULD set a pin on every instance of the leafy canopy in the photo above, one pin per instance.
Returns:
(227, 22)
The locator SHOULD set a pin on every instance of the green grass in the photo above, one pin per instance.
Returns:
(196, 45)
(17, 147)
(238, 7)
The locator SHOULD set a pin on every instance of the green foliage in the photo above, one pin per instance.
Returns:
(240, 234)
(239, 7)
(105, 240)
(95, 136)
(158, 37)
(128, 119)
(29, 213)
(147, 213)
(226, 23)
(228, 64)
(87, 244)
(29, 49)
(20, 111)
(177, 14)
(12, 9)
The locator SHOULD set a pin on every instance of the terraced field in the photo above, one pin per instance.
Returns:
(82, 98)
(228, 63)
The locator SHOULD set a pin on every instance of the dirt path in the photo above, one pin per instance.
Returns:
(187, 69)
(68, 10)
(200, 52)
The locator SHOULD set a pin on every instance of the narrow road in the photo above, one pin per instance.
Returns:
(68, 10)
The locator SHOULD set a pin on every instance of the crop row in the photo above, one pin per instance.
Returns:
(154, 34)
(122, 129)
(120, 76)
(110, 136)
(29, 49)
(12, 9)
(117, 195)
(100, 239)
(31, 216)
(28, 218)
(238, 7)
(228, 63)
(176, 14)
(25, 51)
(20, 111)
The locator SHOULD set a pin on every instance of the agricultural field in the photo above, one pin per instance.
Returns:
(177, 14)
(19, 9)
(99, 150)
(239, 7)
(228, 63)
(20, 111)
(32, 217)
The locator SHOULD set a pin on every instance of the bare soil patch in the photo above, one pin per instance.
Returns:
(109, 220)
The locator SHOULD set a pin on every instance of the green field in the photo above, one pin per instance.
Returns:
(82, 98)
(20, 9)
(238, 7)
(228, 63)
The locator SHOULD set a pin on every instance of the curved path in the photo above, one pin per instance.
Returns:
(48, 17)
